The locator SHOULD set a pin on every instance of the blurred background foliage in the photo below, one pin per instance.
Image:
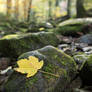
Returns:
(43, 10)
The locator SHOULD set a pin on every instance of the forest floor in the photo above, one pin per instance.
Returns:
(73, 42)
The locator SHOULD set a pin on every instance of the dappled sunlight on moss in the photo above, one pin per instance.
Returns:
(10, 36)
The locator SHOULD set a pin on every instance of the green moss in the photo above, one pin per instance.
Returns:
(69, 29)
(24, 30)
(31, 80)
(10, 37)
(15, 45)
(66, 58)
(55, 70)
(72, 26)
(89, 62)
(56, 55)
(53, 59)
(80, 53)
(59, 56)
(90, 59)
(62, 61)
(49, 68)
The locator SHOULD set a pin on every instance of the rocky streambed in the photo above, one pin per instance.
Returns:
(69, 57)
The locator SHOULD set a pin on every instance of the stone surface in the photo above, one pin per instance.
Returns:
(4, 63)
(86, 39)
(55, 62)
(16, 44)
(74, 27)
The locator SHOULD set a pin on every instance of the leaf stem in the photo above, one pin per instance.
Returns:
(49, 73)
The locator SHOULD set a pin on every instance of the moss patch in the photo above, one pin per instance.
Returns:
(69, 29)
(15, 45)
(14, 36)
(31, 81)
(73, 26)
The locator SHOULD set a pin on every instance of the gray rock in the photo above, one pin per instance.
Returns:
(48, 25)
(80, 90)
(55, 62)
(86, 39)
(62, 46)
(89, 48)
(16, 44)
(80, 60)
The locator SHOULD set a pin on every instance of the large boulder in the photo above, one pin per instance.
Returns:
(76, 21)
(55, 62)
(16, 44)
(74, 26)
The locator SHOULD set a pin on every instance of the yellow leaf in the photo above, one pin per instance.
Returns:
(41, 29)
(29, 66)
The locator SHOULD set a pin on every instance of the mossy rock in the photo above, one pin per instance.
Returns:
(16, 44)
(87, 39)
(86, 72)
(55, 62)
(73, 26)
(76, 21)
(80, 59)
(69, 30)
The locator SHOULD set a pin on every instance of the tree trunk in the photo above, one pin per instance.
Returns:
(9, 6)
(17, 9)
(25, 8)
(81, 12)
(50, 10)
(69, 8)
(29, 9)
(57, 3)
